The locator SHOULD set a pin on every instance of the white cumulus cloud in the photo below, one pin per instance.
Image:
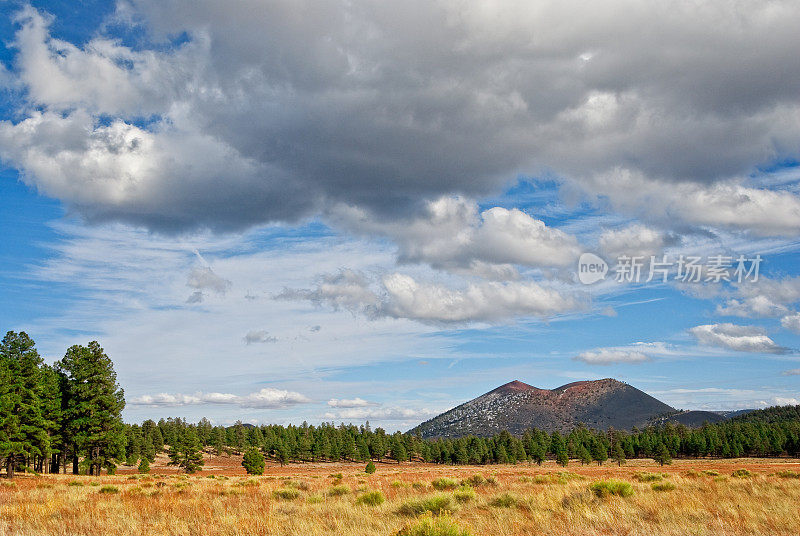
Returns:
(736, 337)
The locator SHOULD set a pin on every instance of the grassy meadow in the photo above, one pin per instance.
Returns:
(713, 497)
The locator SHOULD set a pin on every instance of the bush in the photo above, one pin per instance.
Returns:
(663, 486)
(711, 472)
(442, 484)
(253, 462)
(506, 500)
(475, 481)
(788, 474)
(370, 468)
(428, 525)
(109, 489)
(75, 483)
(286, 494)
(648, 477)
(314, 499)
(437, 505)
(741, 473)
(464, 494)
(606, 488)
(337, 491)
(336, 476)
(371, 498)
(399, 484)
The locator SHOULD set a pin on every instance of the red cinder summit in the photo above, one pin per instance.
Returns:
(517, 406)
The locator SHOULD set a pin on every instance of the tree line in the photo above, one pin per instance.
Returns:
(71, 411)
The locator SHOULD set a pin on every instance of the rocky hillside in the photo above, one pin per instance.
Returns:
(517, 406)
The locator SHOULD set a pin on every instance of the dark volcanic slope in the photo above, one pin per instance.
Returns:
(696, 418)
(517, 406)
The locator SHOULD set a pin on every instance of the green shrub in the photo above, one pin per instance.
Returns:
(475, 481)
(419, 486)
(442, 484)
(663, 486)
(506, 500)
(741, 473)
(314, 499)
(336, 476)
(788, 474)
(606, 488)
(337, 491)
(370, 468)
(464, 494)
(371, 498)
(428, 525)
(109, 489)
(286, 494)
(648, 477)
(711, 472)
(400, 484)
(437, 505)
(75, 483)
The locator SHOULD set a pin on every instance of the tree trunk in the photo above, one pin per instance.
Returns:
(75, 464)
(10, 466)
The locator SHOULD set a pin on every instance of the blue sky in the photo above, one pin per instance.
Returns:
(300, 220)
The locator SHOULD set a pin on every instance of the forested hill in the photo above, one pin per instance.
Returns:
(775, 414)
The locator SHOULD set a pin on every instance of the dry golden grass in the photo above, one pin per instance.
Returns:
(519, 500)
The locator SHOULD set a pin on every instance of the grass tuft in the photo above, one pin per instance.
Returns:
(338, 491)
(606, 488)
(286, 494)
(371, 498)
(464, 494)
(442, 484)
(427, 525)
(109, 489)
(437, 505)
(663, 486)
(506, 500)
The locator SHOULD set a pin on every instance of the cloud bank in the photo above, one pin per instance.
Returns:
(274, 111)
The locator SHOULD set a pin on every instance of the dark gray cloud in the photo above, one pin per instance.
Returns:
(277, 110)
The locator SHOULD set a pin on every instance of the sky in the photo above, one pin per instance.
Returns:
(341, 211)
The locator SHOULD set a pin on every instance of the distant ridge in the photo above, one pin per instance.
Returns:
(517, 406)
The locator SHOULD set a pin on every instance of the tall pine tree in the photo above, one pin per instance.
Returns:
(93, 407)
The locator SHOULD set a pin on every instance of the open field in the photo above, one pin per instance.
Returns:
(313, 499)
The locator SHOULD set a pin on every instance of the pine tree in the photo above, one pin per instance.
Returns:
(370, 469)
(282, 452)
(399, 452)
(144, 466)
(23, 428)
(662, 455)
(618, 453)
(94, 403)
(186, 452)
(218, 440)
(583, 454)
(253, 462)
